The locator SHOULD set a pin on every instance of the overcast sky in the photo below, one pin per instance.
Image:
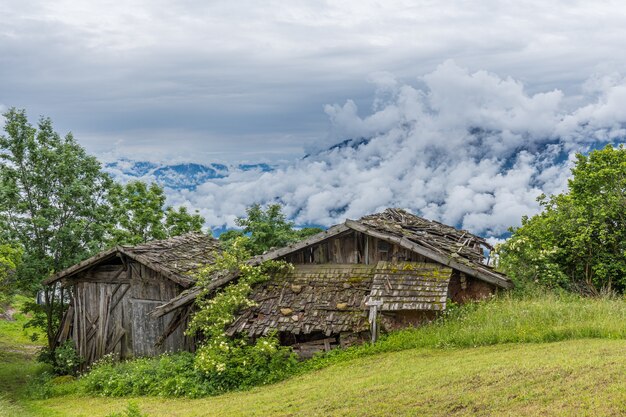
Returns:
(226, 81)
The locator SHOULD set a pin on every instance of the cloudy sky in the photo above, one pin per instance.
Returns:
(471, 109)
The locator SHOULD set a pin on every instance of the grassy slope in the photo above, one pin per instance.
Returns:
(581, 377)
(449, 368)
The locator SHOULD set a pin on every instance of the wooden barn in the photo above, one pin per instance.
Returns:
(390, 269)
(112, 293)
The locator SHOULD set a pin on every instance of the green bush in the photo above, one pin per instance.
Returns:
(240, 365)
(175, 375)
(64, 359)
(170, 375)
(578, 241)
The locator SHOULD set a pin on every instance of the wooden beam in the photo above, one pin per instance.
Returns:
(81, 266)
(294, 247)
(472, 270)
(66, 324)
(187, 297)
(174, 323)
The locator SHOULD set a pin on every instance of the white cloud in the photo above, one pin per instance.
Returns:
(218, 77)
(229, 81)
(471, 149)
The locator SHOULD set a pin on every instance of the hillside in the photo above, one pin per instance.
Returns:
(581, 377)
(541, 356)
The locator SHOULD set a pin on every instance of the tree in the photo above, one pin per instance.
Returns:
(140, 216)
(10, 259)
(53, 200)
(579, 240)
(266, 228)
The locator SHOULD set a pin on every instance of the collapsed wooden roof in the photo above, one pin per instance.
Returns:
(332, 298)
(176, 258)
(457, 249)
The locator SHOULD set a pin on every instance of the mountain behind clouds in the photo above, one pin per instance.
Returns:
(470, 149)
(177, 177)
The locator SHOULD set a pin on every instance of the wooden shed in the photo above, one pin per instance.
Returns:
(388, 270)
(112, 293)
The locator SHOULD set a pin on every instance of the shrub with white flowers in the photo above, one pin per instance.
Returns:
(236, 362)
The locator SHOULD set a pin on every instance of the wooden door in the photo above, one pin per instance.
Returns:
(98, 326)
(146, 330)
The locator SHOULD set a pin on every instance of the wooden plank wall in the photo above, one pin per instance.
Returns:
(353, 248)
(99, 327)
(110, 306)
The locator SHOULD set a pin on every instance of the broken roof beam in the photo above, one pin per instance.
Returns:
(188, 296)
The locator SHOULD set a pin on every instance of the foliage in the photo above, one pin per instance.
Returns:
(265, 229)
(169, 375)
(234, 363)
(140, 215)
(10, 259)
(175, 375)
(53, 200)
(579, 240)
(238, 364)
(60, 207)
(12, 332)
(64, 358)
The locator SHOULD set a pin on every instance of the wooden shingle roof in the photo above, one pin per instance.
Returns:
(437, 236)
(311, 298)
(410, 286)
(333, 298)
(176, 258)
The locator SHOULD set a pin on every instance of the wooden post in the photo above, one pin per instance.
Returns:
(372, 318)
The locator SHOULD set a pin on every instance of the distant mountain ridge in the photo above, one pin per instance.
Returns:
(189, 175)
(183, 176)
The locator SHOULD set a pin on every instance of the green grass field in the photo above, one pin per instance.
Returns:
(550, 356)
(16, 364)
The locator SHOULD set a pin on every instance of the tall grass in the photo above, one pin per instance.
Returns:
(536, 318)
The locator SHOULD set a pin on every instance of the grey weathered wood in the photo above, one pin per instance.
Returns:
(81, 266)
(179, 279)
(277, 253)
(119, 332)
(146, 331)
(474, 271)
(66, 324)
(190, 295)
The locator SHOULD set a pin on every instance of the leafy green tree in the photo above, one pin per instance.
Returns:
(178, 222)
(140, 215)
(579, 240)
(53, 201)
(10, 259)
(265, 229)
